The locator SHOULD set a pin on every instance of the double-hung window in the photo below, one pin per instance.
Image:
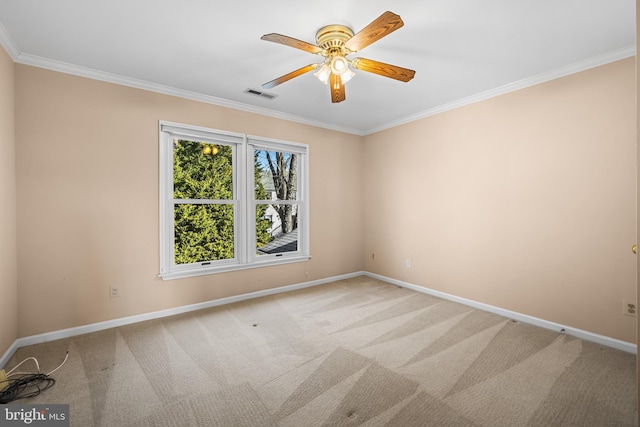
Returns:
(230, 201)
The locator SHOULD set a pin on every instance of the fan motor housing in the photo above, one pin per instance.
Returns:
(333, 37)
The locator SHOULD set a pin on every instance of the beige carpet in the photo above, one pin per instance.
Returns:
(354, 352)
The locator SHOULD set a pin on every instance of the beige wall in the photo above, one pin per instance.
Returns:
(525, 201)
(87, 165)
(8, 263)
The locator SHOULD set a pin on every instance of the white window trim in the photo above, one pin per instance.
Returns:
(244, 218)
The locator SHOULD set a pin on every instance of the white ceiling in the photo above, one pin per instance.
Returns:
(462, 50)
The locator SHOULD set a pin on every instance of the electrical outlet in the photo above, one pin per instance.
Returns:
(407, 263)
(114, 291)
(373, 255)
(629, 308)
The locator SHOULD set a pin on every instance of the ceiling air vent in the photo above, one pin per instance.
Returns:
(260, 93)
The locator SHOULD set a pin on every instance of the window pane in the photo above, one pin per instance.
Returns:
(276, 229)
(202, 170)
(203, 233)
(229, 201)
(276, 175)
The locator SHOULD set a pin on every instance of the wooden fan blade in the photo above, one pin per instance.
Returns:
(286, 77)
(384, 25)
(290, 41)
(337, 89)
(382, 69)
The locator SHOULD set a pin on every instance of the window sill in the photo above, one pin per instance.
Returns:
(203, 271)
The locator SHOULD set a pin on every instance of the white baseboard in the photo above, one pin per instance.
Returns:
(578, 333)
(7, 354)
(94, 327)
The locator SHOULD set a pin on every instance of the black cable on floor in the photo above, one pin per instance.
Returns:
(20, 385)
(29, 385)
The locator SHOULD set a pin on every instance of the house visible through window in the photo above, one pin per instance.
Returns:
(229, 201)
(276, 199)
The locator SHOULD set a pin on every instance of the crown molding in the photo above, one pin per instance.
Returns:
(7, 42)
(567, 70)
(37, 61)
(64, 67)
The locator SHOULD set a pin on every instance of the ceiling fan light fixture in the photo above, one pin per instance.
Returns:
(346, 76)
(338, 68)
(339, 65)
(323, 73)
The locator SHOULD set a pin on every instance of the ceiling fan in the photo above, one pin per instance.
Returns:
(335, 43)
